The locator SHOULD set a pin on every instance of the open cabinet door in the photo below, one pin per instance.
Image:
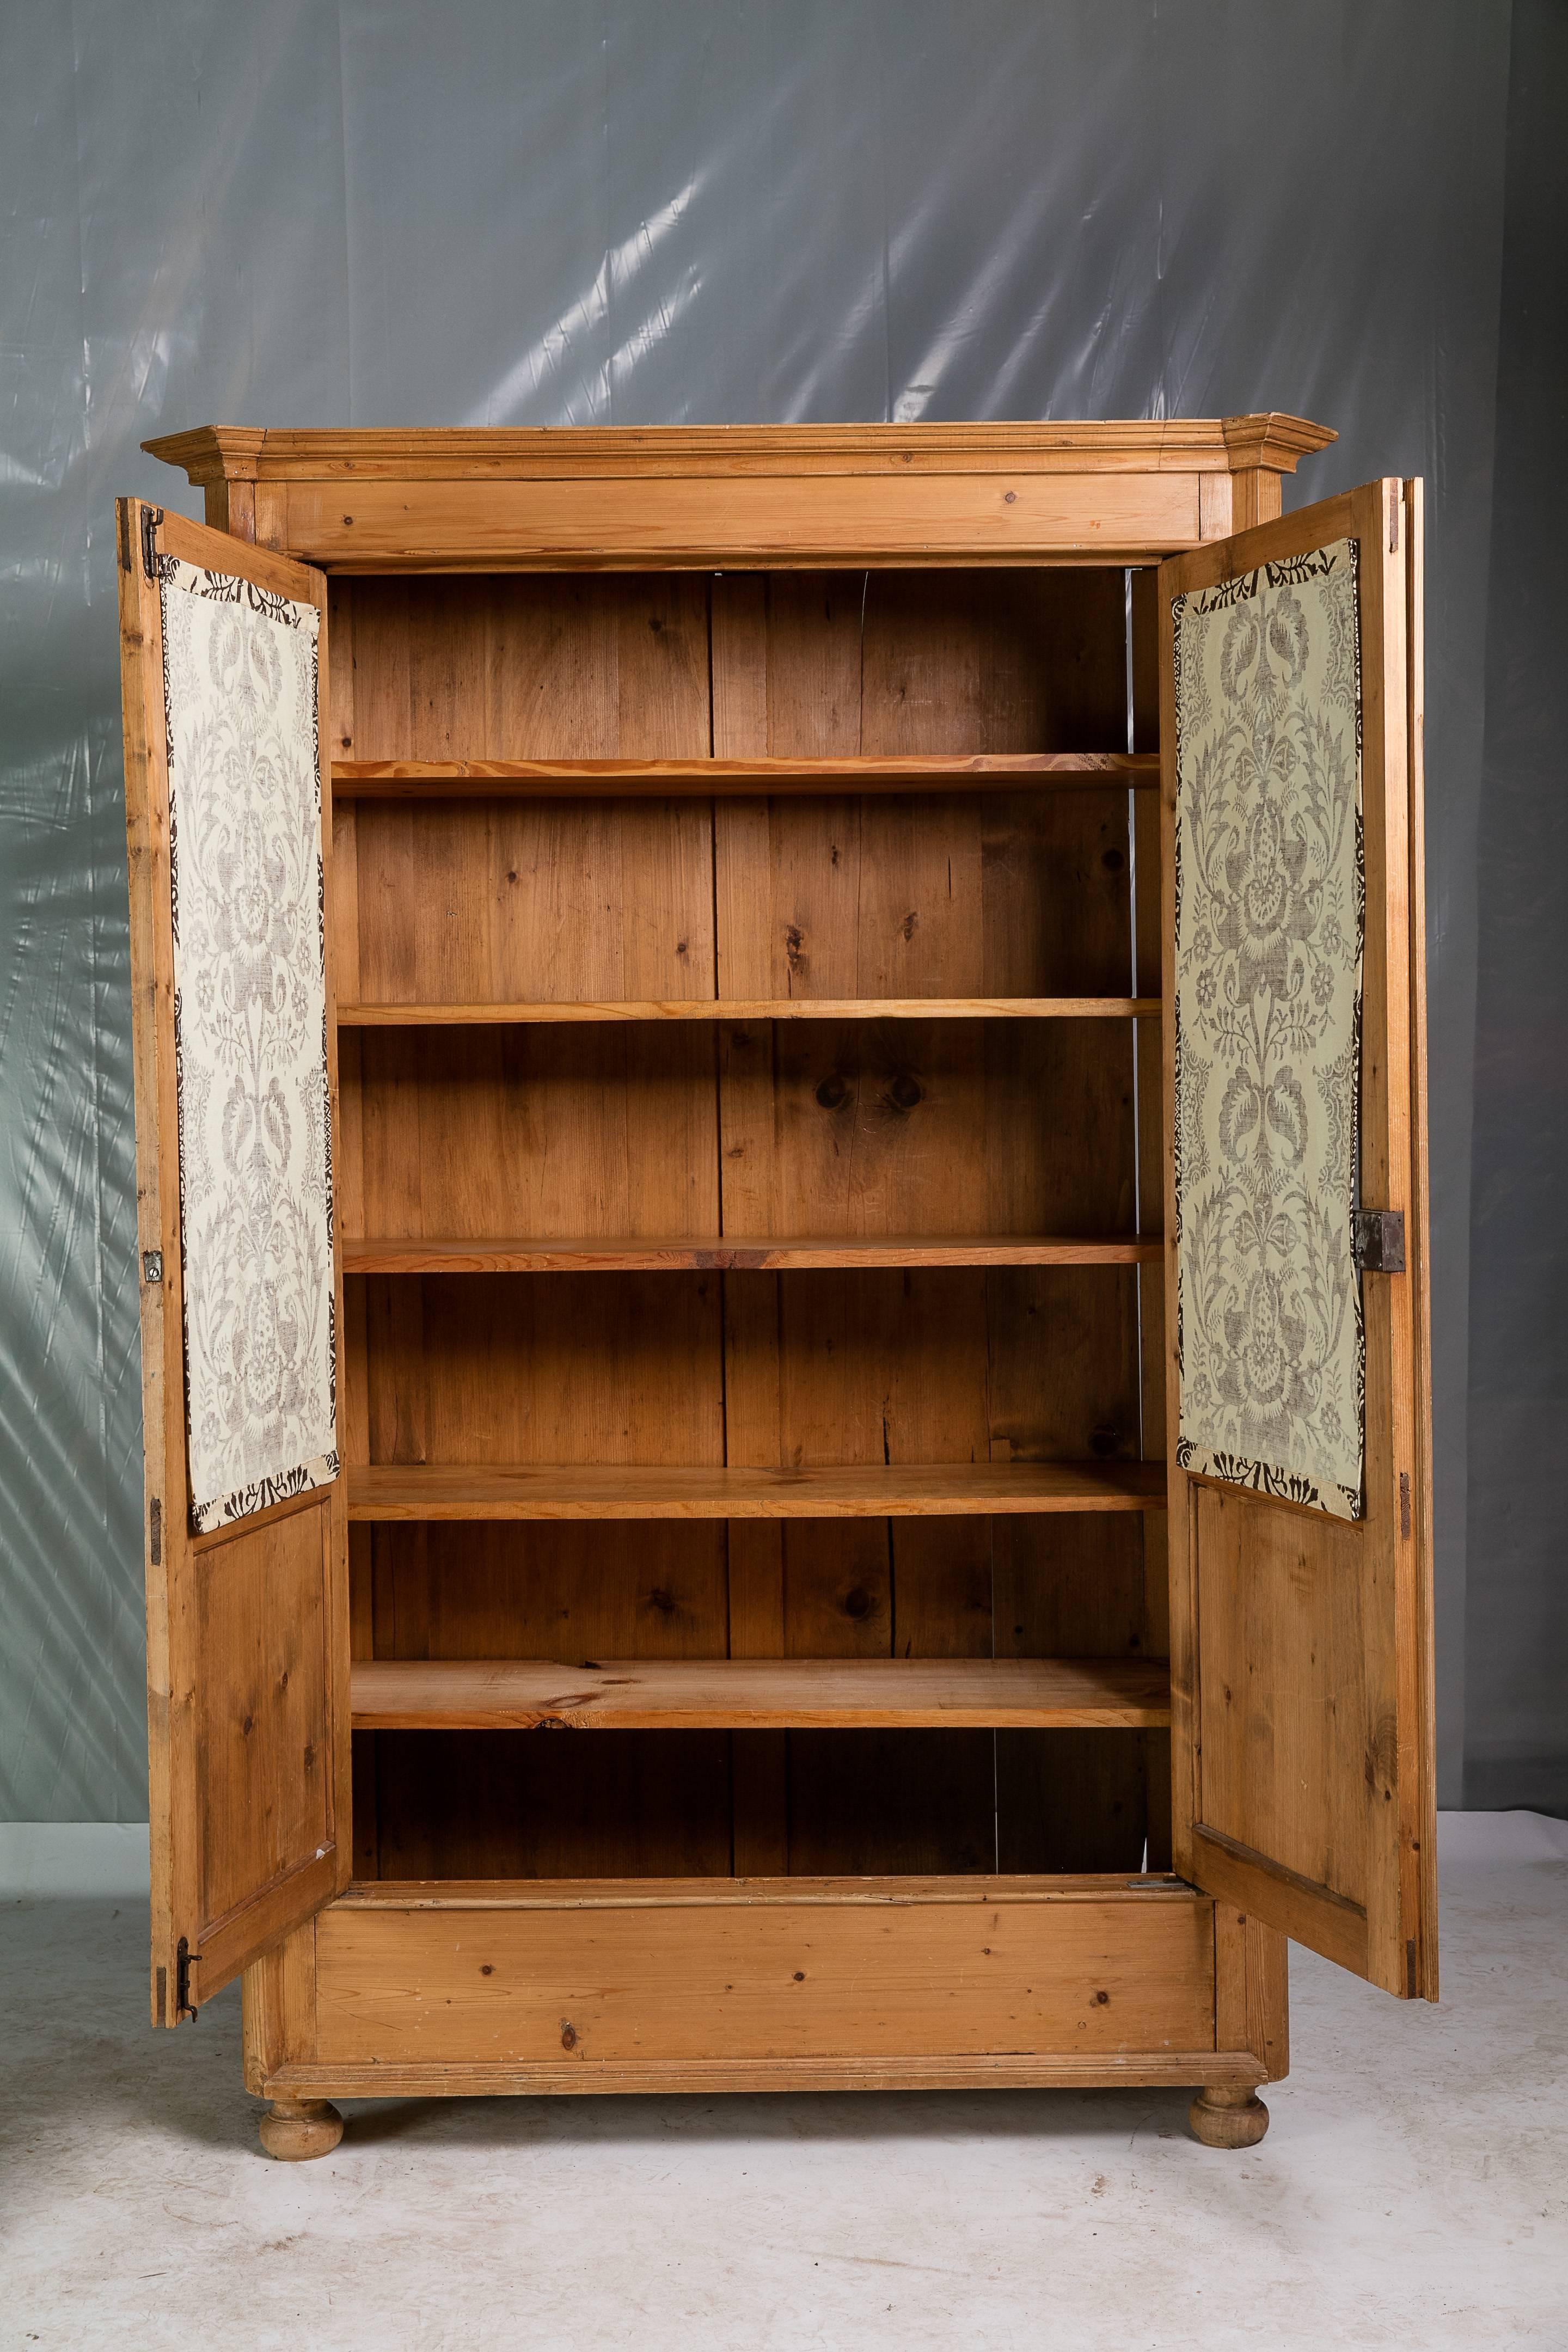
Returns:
(223, 650)
(1299, 1447)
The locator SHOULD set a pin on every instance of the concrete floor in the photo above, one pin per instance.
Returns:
(1412, 2190)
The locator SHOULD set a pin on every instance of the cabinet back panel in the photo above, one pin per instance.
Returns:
(519, 667)
(506, 1804)
(938, 1365)
(599, 1130)
(503, 1805)
(924, 1127)
(852, 1128)
(811, 664)
(567, 1590)
(908, 1127)
(492, 901)
(804, 664)
(997, 894)
(965, 1801)
(498, 901)
(562, 1368)
(788, 1129)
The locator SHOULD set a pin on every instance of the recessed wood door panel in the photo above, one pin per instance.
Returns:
(1301, 1635)
(246, 1561)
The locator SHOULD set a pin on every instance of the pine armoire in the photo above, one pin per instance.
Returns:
(780, 1084)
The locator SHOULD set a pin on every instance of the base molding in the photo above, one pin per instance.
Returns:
(1012, 2070)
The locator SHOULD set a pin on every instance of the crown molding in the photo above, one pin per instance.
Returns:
(215, 453)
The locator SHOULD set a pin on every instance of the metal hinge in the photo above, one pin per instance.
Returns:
(150, 517)
(155, 1531)
(1380, 1241)
(184, 1999)
(152, 1267)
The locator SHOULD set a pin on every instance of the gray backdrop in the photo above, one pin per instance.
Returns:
(301, 213)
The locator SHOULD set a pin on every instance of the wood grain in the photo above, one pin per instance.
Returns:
(767, 1981)
(742, 1010)
(428, 1490)
(1300, 1703)
(248, 1734)
(626, 1254)
(717, 2077)
(641, 523)
(400, 453)
(693, 934)
(758, 1693)
(979, 772)
(539, 1130)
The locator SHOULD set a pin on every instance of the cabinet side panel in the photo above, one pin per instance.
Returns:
(279, 2008)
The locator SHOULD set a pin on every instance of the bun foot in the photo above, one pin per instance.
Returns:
(296, 2130)
(1223, 2118)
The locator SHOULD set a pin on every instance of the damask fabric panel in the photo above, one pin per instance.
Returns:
(1270, 923)
(251, 1013)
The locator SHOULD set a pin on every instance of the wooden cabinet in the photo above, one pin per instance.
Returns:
(780, 1100)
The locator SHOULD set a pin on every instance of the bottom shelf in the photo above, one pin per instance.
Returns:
(759, 1694)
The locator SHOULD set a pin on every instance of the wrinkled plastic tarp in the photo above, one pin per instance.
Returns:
(530, 212)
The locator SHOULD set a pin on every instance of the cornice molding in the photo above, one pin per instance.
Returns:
(215, 453)
(1274, 442)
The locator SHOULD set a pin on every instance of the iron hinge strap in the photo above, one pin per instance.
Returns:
(150, 517)
(185, 1996)
(1380, 1241)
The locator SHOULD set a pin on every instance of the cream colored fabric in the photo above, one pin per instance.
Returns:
(1269, 925)
(244, 857)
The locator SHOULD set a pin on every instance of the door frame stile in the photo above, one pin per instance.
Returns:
(165, 1525)
(1422, 1850)
(338, 1634)
(1184, 1589)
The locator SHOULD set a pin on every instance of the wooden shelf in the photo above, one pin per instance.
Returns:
(759, 1694)
(641, 779)
(725, 1255)
(782, 1008)
(441, 1490)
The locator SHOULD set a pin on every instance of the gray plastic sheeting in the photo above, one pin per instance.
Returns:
(293, 213)
(1516, 1747)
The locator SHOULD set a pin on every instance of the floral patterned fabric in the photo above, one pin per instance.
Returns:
(1271, 885)
(250, 1042)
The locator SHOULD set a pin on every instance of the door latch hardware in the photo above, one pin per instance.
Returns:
(184, 2000)
(152, 1267)
(1380, 1241)
(150, 517)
